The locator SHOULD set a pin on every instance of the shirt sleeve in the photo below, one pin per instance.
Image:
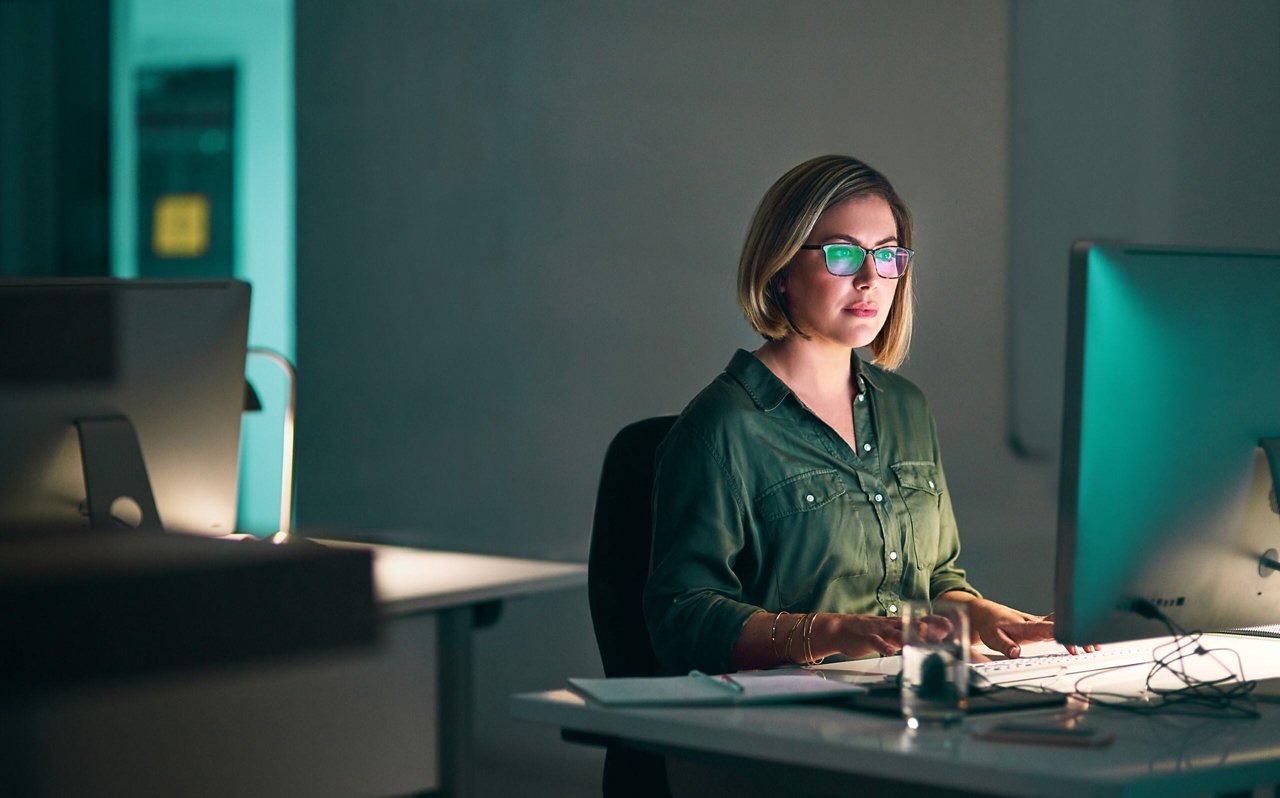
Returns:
(693, 600)
(947, 575)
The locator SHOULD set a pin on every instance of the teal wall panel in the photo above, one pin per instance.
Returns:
(256, 37)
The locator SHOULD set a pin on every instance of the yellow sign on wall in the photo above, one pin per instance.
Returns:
(180, 226)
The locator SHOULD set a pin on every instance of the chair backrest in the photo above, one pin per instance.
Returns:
(621, 536)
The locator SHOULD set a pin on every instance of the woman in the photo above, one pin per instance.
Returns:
(800, 497)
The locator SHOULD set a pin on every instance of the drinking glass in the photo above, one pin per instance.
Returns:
(935, 663)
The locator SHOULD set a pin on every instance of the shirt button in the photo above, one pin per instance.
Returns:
(866, 447)
(931, 484)
(879, 497)
(893, 555)
(809, 498)
(893, 608)
(862, 397)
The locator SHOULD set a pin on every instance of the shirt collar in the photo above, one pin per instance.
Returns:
(764, 387)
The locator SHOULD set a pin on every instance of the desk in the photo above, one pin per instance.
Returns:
(458, 592)
(390, 720)
(833, 751)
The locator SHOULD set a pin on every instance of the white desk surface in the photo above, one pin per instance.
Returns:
(409, 581)
(1152, 755)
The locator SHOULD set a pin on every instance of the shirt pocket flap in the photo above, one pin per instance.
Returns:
(800, 494)
(918, 476)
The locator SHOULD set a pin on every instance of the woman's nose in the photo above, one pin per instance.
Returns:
(866, 274)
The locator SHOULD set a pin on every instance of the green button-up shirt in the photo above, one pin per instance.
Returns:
(760, 505)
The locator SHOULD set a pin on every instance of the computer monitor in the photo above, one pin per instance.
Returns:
(1168, 494)
(120, 403)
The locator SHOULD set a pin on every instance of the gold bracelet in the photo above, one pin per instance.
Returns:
(786, 649)
(808, 642)
(808, 637)
(773, 635)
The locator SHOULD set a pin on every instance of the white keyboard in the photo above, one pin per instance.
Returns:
(1045, 666)
(1272, 630)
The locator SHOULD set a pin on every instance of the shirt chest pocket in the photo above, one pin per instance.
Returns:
(811, 534)
(803, 493)
(918, 484)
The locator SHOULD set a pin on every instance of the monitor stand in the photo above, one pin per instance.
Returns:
(115, 475)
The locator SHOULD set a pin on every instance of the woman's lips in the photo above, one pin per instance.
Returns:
(862, 311)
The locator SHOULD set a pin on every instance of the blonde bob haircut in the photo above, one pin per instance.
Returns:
(784, 220)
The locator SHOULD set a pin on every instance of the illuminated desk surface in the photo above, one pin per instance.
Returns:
(843, 749)
(408, 581)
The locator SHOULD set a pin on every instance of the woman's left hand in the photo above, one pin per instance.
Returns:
(1006, 629)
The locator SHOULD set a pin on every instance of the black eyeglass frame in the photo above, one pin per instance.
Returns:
(865, 252)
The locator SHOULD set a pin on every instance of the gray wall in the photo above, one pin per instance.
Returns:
(518, 225)
(1149, 121)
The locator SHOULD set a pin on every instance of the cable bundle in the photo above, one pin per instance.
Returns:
(1229, 694)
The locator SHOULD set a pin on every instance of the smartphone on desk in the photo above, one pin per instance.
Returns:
(1067, 731)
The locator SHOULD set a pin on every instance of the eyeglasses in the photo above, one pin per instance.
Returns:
(845, 259)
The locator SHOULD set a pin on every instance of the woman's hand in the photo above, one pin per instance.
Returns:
(769, 639)
(1004, 628)
(1072, 648)
(859, 635)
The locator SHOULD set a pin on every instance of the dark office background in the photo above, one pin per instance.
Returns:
(54, 145)
(517, 225)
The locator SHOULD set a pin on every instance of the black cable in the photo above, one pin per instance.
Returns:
(1229, 694)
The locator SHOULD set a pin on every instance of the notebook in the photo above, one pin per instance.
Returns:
(757, 688)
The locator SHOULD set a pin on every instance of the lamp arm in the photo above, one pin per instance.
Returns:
(286, 469)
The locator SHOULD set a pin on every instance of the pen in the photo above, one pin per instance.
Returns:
(723, 680)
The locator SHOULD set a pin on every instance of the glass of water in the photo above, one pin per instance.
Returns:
(935, 663)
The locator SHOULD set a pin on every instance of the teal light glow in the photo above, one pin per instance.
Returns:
(257, 37)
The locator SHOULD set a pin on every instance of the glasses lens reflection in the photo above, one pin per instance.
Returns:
(845, 259)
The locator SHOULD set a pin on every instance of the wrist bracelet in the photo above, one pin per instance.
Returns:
(808, 642)
(773, 635)
(786, 649)
(808, 638)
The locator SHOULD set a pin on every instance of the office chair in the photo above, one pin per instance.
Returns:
(617, 569)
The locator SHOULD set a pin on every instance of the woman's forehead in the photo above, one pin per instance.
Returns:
(859, 217)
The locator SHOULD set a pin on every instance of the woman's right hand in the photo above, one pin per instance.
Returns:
(858, 635)
(769, 639)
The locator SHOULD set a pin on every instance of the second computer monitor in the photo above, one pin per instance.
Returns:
(127, 390)
(1167, 494)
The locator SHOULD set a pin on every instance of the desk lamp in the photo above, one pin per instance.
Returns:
(285, 531)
